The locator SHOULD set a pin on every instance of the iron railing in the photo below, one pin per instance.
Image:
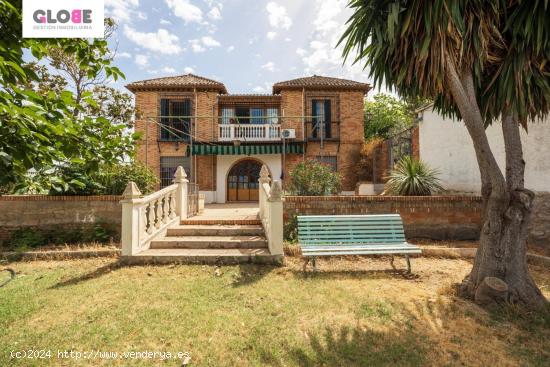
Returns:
(192, 199)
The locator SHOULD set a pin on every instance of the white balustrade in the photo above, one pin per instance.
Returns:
(271, 211)
(145, 218)
(249, 132)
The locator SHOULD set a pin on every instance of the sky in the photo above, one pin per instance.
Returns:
(246, 44)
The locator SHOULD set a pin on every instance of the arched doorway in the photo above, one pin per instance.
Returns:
(242, 181)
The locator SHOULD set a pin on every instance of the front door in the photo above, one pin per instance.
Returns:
(242, 181)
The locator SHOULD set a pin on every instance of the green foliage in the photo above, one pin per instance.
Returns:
(385, 116)
(25, 239)
(312, 178)
(410, 46)
(115, 179)
(290, 229)
(42, 129)
(412, 177)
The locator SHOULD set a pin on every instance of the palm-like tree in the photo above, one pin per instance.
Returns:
(482, 61)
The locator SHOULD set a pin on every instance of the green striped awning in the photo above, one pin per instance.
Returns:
(203, 149)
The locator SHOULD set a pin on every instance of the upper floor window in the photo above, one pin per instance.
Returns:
(228, 115)
(249, 115)
(175, 119)
(322, 118)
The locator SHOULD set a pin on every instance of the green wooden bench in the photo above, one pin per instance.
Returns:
(335, 235)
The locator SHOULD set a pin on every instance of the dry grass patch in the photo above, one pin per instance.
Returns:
(353, 312)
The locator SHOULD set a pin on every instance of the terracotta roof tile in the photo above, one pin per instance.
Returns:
(321, 82)
(178, 81)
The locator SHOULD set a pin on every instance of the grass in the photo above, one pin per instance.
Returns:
(352, 313)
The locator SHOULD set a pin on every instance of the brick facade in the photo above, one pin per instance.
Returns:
(294, 105)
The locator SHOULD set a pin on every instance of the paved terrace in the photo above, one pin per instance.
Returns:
(230, 213)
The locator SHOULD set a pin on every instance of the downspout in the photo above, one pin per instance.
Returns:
(193, 130)
(304, 122)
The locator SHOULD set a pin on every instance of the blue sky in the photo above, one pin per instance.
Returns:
(246, 44)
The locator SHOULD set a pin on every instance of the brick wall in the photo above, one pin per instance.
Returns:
(42, 212)
(149, 149)
(433, 217)
(424, 217)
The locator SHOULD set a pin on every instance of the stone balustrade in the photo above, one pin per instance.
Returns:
(145, 218)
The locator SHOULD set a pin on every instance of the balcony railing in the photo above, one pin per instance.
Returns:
(249, 132)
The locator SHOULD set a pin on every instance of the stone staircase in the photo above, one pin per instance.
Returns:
(210, 241)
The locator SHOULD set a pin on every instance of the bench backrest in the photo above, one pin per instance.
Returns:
(318, 230)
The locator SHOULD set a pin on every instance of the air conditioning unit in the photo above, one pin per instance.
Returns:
(288, 134)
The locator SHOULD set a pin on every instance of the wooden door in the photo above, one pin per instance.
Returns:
(242, 181)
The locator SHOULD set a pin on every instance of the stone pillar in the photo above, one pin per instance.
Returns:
(130, 220)
(276, 219)
(180, 178)
(264, 178)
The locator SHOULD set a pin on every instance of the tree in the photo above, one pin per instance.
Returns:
(386, 115)
(483, 62)
(38, 128)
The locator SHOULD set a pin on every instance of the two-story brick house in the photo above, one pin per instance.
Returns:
(223, 139)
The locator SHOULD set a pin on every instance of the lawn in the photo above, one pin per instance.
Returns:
(354, 312)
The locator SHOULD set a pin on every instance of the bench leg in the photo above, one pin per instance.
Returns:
(313, 260)
(391, 262)
(408, 264)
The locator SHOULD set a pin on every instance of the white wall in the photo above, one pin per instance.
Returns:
(225, 162)
(446, 145)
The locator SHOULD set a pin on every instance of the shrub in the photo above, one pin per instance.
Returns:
(312, 178)
(116, 178)
(412, 177)
(290, 229)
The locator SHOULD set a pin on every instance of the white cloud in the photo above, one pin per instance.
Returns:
(321, 56)
(270, 66)
(288, 39)
(271, 35)
(162, 41)
(141, 60)
(231, 48)
(122, 11)
(188, 70)
(164, 21)
(210, 42)
(328, 11)
(168, 70)
(185, 10)
(258, 89)
(200, 45)
(123, 55)
(196, 46)
(278, 16)
(215, 13)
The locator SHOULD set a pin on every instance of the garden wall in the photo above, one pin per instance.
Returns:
(62, 213)
(433, 217)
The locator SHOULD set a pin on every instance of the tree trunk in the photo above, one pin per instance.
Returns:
(507, 204)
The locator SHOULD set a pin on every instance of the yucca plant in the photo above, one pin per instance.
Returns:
(412, 177)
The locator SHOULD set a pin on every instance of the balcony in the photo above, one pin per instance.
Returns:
(249, 132)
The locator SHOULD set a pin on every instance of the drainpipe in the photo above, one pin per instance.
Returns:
(303, 122)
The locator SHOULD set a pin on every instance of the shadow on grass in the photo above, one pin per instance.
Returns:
(355, 274)
(99, 272)
(357, 347)
(252, 273)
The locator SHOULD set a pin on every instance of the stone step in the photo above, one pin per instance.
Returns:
(209, 242)
(196, 221)
(204, 256)
(215, 230)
